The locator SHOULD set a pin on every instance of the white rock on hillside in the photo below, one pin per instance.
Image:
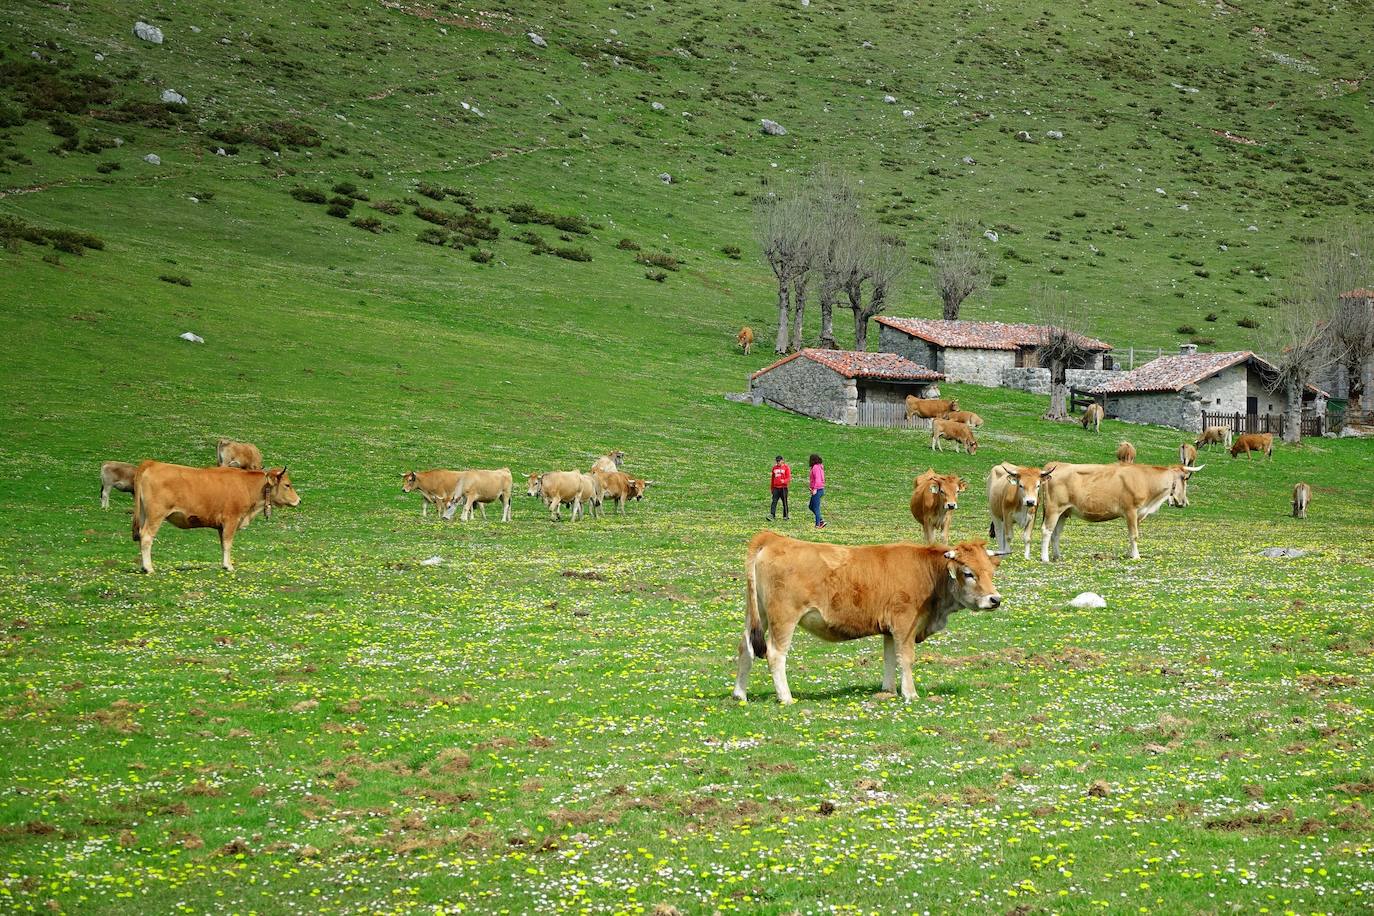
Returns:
(148, 32)
(153, 159)
(1089, 600)
(193, 338)
(772, 128)
(537, 40)
(172, 97)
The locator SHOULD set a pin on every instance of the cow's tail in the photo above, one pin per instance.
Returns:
(140, 511)
(753, 616)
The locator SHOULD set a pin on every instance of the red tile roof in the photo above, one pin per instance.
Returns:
(978, 335)
(855, 364)
(1174, 373)
(1358, 294)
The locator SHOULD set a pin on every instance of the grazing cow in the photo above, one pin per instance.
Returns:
(934, 497)
(1125, 453)
(1013, 494)
(1102, 492)
(231, 454)
(1254, 442)
(1187, 453)
(115, 475)
(903, 592)
(1092, 417)
(611, 461)
(556, 488)
(225, 499)
(436, 486)
(591, 494)
(617, 486)
(958, 433)
(477, 488)
(1215, 435)
(745, 338)
(929, 408)
(967, 417)
(1302, 496)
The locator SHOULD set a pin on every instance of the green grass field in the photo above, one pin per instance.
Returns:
(543, 722)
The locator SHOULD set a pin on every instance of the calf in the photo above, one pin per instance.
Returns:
(934, 497)
(1214, 435)
(231, 454)
(745, 338)
(436, 487)
(967, 417)
(1187, 453)
(225, 499)
(556, 488)
(477, 488)
(1254, 442)
(1125, 453)
(929, 408)
(958, 433)
(115, 475)
(1302, 496)
(1013, 494)
(1092, 417)
(903, 592)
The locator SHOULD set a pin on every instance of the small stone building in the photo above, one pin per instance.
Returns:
(1175, 390)
(1334, 379)
(831, 384)
(987, 353)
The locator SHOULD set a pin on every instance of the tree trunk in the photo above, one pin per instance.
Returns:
(952, 308)
(1292, 413)
(860, 330)
(828, 317)
(798, 310)
(780, 346)
(1059, 392)
(1354, 382)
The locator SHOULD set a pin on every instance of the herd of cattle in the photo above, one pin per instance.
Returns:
(906, 592)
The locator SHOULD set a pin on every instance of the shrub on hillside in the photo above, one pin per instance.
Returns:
(433, 192)
(524, 213)
(657, 276)
(1204, 341)
(309, 195)
(1211, 316)
(731, 251)
(389, 207)
(432, 235)
(339, 200)
(627, 245)
(176, 279)
(106, 168)
(482, 256)
(338, 211)
(573, 254)
(369, 223)
(1248, 322)
(1186, 329)
(657, 259)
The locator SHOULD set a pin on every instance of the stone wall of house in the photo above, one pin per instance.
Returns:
(918, 351)
(876, 392)
(977, 367)
(1267, 401)
(809, 388)
(1179, 409)
(1037, 381)
(1226, 391)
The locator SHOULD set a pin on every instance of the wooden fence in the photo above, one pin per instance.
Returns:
(882, 413)
(1312, 424)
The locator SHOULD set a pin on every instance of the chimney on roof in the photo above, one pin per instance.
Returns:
(1188, 349)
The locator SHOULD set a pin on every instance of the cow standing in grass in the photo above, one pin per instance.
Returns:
(1125, 453)
(928, 408)
(1302, 496)
(476, 489)
(1214, 435)
(1092, 418)
(1013, 494)
(115, 475)
(1103, 492)
(436, 488)
(1187, 453)
(958, 433)
(934, 497)
(556, 488)
(745, 339)
(902, 592)
(231, 454)
(1254, 442)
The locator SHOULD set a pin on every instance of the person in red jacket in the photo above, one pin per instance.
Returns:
(781, 480)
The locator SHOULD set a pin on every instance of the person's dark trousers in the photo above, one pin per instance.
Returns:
(779, 493)
(815, 505)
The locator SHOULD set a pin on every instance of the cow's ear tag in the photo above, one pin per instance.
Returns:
(935, 488)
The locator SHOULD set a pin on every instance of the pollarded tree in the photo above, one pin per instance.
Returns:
(1062, 344)
(783, 228)
(1352, 328)
(838, 224)
(959, 265)
(878, 260)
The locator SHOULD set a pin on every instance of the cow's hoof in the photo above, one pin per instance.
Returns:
(786, 702)
(740, 695)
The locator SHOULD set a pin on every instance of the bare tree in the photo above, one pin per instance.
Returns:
(1352, 329)
(878, 260)
(782, 225)
(1062, 344)
(1302, 337)
(837, 226)
(959, 265)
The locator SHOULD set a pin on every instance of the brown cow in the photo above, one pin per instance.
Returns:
(1013, 494)
(556, 488)
(225, 499)
(436, 486)
(611, 461)
(1102, 492)
(115, 475)
(745, 339)
(1215, 435)
(967, 417)
(231, 454)
(1302, 496)
(934, 497)
(1092, 417)
(1187, 453)
(1254, 442)
(958, 433)
(637, 487)
(592, 495)
(617, 486)
(476, 489)
(930, 408)
(903, 592)
(1125, 453)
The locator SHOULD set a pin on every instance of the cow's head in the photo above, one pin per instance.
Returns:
(277, 490)
(970, 567)
(953, 406)
(972, 444)
(219, 450)
(945, 488)
(1178, 483)
(409, 481)
(1028, 481)
(536, 482)
(618, 457)
(638, 486)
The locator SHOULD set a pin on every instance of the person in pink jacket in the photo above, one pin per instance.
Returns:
(817, 489)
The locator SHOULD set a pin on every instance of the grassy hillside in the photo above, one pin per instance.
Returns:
(542, 722)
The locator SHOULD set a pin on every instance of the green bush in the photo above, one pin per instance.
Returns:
(1204, 341)
(482, 256)
(1186, 329)
(657, 276)
(308, 195)
(573, 254)
(656, 259)
(389, 207)
(340, 201)
(177, 279)
(731, 251)
(431, 191)
(338, 210)
(369, 223)
(1211, 316)
(432, 235)
(106, 168)
(627, 245)
(1248, 322)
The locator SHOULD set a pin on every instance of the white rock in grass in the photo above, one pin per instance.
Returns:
(772, 128)
(193, 338)
(990, 235)
(153, 159)
(1282, 553)
(907, 113)
(1088, 600)
(148, 32)
(432, 561)
(1055, 134)
(665, 178)
(656, 106)
(889, 100)
(537, 40)
(172, 97)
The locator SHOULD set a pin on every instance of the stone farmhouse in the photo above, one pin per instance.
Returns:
(1334, 379)
(988, 353)
(832, 384)
(1175, 390)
